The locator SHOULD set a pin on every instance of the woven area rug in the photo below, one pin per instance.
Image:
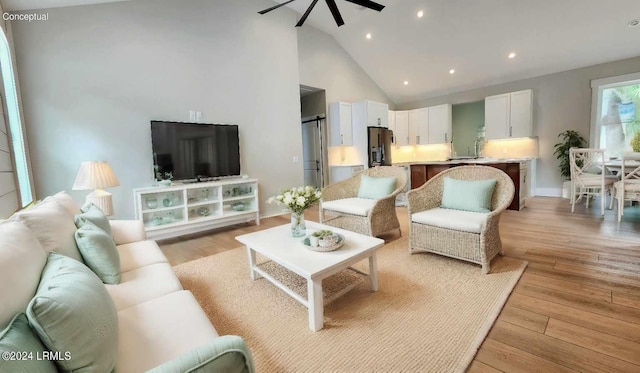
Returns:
(430, 314)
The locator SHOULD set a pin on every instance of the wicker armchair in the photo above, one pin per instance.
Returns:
(376, 217)
(478, 242)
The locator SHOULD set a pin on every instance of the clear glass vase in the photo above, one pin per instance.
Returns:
(298, 227)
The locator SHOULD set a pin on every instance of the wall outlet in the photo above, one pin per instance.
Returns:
(295, 159)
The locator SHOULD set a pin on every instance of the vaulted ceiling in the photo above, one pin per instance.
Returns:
(472, 37)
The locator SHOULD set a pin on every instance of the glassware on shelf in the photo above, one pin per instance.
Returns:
(151, 202)
(204, 194)
(169, 200)
(204, 211)
(156, 220)
(168, 218)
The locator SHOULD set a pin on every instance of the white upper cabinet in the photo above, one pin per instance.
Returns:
(392, 124)
(418, 126)
(371, 114)
(340, 124)
(509, 115)
(439, 124)
(521, 112)
(401, 131)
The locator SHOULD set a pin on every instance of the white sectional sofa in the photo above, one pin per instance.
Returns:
(160, 326)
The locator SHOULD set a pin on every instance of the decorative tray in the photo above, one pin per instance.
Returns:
(338, 245)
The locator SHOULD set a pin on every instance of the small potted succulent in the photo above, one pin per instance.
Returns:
(325, 238)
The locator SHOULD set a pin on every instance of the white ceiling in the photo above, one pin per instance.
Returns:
(473, 37)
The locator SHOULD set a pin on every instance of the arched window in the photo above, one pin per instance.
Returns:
(14, 124)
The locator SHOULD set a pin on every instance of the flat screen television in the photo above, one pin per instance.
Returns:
(195, 150)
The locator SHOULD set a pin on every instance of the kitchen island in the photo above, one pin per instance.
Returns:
(517, 169)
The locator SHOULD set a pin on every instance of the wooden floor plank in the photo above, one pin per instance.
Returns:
(526, 319)
(595, 341)
(604, 324)
(567, 286)
(558, 351)
(510, 359)
(609, 309)
(625, 299)
(478, 367)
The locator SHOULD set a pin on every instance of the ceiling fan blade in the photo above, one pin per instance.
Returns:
(306, 14)
(336, 13)
(368, 4)
(275, 7)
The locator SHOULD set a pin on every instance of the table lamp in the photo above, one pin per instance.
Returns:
(97, 175)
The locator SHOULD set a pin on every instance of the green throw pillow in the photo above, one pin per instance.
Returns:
(376, 187)
(99, 252)
(73, 312)
(92, 213)
(467, 195)
(227, 354)
(24, 349)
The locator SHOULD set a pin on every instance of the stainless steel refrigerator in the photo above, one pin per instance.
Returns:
(379, 148)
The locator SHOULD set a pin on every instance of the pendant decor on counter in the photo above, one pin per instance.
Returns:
(332, 7)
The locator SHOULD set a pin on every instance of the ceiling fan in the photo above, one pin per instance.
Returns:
(332, 7)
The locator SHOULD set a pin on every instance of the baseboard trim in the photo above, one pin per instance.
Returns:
(548, 192)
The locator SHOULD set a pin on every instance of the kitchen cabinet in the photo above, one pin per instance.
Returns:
(439, 124)
(370, 114)
(418, 175)
(392, 124)
(341, 128)
(418, 126)
(509, 115)
(401, 131)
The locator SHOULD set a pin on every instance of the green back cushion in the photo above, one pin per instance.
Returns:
(227, 354)
(24, 348)
(72, 311)
(99, 252)
(92, 213)
(467, 195)
(376, 187)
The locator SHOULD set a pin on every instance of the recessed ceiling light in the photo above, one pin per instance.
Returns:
(512, 55)
(406, 82)
(452, 71)
(634, 23)
(368, 36)
(420, 14)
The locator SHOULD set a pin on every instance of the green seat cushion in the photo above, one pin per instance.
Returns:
(468, 195)
(99, 252)
(376, 187)
(73, 312)
(227, 354)
(92, 213)
(24, 349)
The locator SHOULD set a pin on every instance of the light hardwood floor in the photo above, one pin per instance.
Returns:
(575, 309)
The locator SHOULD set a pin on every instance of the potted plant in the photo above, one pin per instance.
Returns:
(570, 139)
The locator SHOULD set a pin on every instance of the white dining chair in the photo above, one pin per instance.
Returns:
(589, 176)
(628, 188)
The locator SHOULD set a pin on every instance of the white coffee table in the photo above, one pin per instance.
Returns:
(278, 245)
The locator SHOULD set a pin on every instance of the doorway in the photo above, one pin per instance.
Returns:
(312, 151)
(313, 106)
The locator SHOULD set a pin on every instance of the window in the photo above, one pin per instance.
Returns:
(18, 144)
(615, 114)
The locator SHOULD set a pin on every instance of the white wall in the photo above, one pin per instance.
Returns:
(94, 76)
(561, 101)
(325, 64)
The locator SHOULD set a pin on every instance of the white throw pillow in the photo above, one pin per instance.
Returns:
(22, 259)
(52, 226)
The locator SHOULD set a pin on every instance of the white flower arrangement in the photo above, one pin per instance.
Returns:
(297, 199)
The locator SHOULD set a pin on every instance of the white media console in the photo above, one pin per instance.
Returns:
(169, 211)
